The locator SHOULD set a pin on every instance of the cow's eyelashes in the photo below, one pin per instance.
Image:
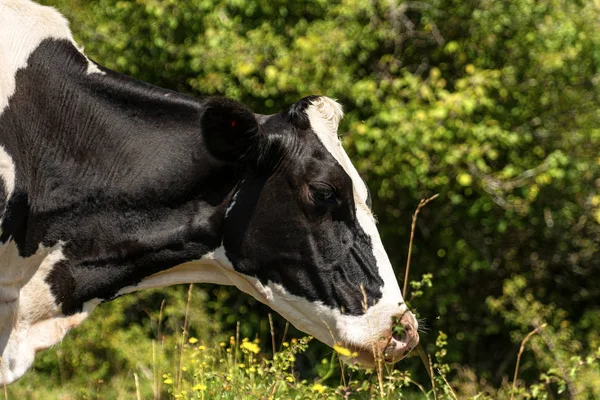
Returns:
(323, 193)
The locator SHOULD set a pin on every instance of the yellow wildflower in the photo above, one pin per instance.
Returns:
(193, 340)
(253, 347)
(344, 351)
(317, 387)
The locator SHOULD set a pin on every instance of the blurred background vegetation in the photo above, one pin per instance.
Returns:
(495, 105)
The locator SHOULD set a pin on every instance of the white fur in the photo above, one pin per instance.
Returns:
(92, 68)
(34, 321)
(213, 267)
(324, 115)
(206, 270)
(7, 174)
(23, 26)
(233, 199)
(25, 300)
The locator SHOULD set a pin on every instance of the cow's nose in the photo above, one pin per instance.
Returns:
(405, 337)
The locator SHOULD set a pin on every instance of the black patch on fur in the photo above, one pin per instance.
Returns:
(297, 113)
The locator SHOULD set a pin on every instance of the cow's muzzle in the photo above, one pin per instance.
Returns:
(402, 338)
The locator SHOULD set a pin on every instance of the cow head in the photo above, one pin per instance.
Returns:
(299, 233)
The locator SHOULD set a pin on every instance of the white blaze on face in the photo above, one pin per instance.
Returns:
(324, 115)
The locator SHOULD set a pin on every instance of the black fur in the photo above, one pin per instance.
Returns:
(135, 179)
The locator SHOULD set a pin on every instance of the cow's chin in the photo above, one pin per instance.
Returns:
(361, 359)
(384, 351)
(367, 359)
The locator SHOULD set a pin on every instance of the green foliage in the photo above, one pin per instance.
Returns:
(566, 362)
(418, 286)
(101, 356)
(493, 105)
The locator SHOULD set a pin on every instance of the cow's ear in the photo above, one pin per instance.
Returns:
(229, 129)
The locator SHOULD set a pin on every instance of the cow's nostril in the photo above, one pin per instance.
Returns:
(401, 332)
(399, 327)
(404, 328)
(404, 337)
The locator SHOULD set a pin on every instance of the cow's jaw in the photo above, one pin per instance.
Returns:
(361, 334)
(367, 336)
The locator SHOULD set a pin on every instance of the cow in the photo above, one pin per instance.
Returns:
(109, 185)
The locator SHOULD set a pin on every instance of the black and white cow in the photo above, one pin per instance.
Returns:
(109, 185)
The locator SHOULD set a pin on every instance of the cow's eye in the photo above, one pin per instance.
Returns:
(324, 194)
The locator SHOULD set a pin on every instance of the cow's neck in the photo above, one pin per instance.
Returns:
(98, 132)
(115, 169)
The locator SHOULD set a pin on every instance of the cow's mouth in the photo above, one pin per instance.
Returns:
(391, 351)
(392, 355)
